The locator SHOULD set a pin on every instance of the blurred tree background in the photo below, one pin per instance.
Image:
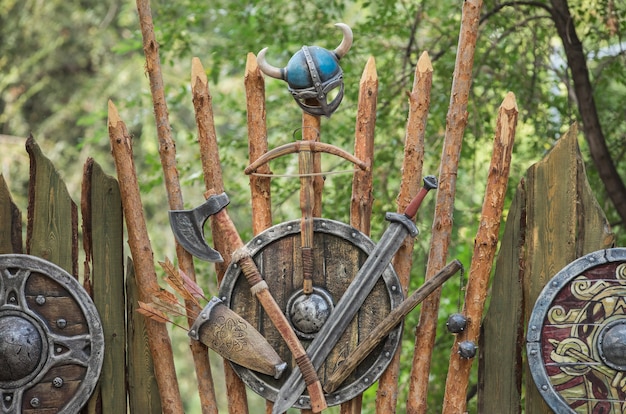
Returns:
(61, 61)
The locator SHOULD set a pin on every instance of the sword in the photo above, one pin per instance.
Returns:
(401, 225)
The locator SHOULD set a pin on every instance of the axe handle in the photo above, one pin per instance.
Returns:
(259, 288)
(387, 324)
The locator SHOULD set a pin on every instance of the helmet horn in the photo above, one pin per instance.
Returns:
(268, 69)
(346, 42)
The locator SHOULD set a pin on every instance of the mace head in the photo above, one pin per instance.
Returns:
(313, 74)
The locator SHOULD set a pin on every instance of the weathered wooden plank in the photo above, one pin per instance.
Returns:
(502, 339)
(52, 230)
(103, 228)
(143, 390)
(10, 222)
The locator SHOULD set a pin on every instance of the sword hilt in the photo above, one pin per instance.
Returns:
(430, 182)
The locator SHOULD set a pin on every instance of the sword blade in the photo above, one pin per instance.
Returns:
(349, 304)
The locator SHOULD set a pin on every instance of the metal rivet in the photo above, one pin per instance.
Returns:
(192, 332)
(61, 323)
(555, 283)
(353, 234)
(224, 298)
(35, 402)
(59, 350)
(534, 327)
(259, 241)
(7, 398)
(544, 387)
(323, 224)
(261, 389)
(57, 382)
(366, 380)
(387, 354)
(301, 400)
(394, 288)
(533, 352)
(203, 315)
(289, 227)
(12, 299)
(40, 299)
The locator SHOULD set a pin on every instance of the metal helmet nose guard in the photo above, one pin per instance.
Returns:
(312, 73)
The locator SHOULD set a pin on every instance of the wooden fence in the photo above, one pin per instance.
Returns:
(543, 232)
(52, 233)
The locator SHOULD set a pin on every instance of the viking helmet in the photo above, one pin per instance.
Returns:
(312, 73)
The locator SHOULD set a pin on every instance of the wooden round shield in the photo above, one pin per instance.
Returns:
(576, 338)
(51, 339)
(339, 252)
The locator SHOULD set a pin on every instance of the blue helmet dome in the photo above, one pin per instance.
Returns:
(312, 74)
(323, 61)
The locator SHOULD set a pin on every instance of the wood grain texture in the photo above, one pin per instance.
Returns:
(257, 145)
(10, 222)
(143, 389)
(102, 205)
(52, 229)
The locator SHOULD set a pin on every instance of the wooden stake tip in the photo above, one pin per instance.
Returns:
(424, 63)
(197, 72)
(369, 73)
(114, 116)
(509, 101)
(251, 64)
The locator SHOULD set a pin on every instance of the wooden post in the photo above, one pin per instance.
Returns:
(442, 225)
(419, 103)
(260, 186)
(257, 146)
(141, 250)
(209, 153)
(485, 246)
(361, 202)
(167, 153)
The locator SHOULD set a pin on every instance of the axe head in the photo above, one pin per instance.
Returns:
(188, 227)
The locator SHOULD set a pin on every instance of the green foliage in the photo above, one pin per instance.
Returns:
(62, 61)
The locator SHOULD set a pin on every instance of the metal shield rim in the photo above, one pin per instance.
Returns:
(90, 312)
(539, 312)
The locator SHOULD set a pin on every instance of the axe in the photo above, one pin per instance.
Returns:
(188, 225)
(401, 226)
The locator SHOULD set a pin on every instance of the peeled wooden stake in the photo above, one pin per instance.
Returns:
(484, 252)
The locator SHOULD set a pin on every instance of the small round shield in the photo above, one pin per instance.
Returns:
(51, 338)
(576, 339)
(339, 252)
